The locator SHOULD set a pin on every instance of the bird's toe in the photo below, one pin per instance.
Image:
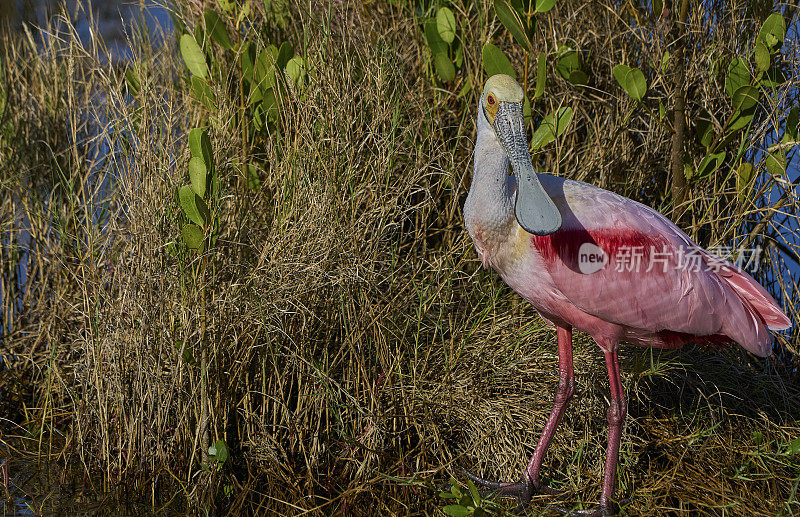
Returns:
(521, 491)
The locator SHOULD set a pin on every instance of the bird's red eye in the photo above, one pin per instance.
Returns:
(490, 99)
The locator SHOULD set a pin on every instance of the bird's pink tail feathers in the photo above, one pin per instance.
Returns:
(751, 292)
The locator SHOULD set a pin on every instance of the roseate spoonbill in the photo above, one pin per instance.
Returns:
(592, 260)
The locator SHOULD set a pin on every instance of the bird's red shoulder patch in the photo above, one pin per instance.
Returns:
(565, 245)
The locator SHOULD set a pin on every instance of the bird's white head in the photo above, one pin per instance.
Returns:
(502, 102)
(499, 89)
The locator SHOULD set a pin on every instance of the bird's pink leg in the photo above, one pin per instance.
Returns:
(616, 418)
(566, 387)
(530, 483)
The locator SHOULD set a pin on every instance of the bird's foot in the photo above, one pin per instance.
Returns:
(522, 491)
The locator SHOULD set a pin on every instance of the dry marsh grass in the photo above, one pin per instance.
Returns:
(357, 354)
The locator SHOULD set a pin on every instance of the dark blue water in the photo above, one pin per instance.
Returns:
(112, 20)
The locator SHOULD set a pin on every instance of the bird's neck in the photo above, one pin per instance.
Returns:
(489, 209)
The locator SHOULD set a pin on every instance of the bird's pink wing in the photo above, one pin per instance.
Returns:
(654, 278)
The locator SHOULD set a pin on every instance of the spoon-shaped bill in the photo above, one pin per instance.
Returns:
(534, 210)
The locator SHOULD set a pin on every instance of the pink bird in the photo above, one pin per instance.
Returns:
(592, 260)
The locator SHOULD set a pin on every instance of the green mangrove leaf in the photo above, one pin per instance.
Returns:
(745, 173)
(773, 78)
(771, 40)
(193, 56)
(219, 451)
(552, 127)
(172, 249)
(187, 355)
(688, 170)
(568, 61)
(195, 141)
(456, 510)
(253, 179)
(710, 164)
(541, 75)
(466, 88)
(198, 175)
(704, 128)
(495, 62)
(793, 447)
(215, 28)
(264, 75)
(432, 37)
(511, 20)
(193, 206)
(727, 139)
(578, 77)
(665, 62)
(192, 236)
(744, 177)
(776, 162)
(200, 36)
(473, 491)
(773, 31)
(542, 6)
(791, 131)
(762, 56)
(257, 94)
(446, 24)
(632, 81)
(270, 105)
(248, 62)
(741, 119)
(202, 91)
(526, 110)
(200, 146)
(296, 71)
(745, 97)
(132, 79)
(258, 117)
(444, 67)
(227, 5)
(738, 75)
(285, 53)
(454, 488)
